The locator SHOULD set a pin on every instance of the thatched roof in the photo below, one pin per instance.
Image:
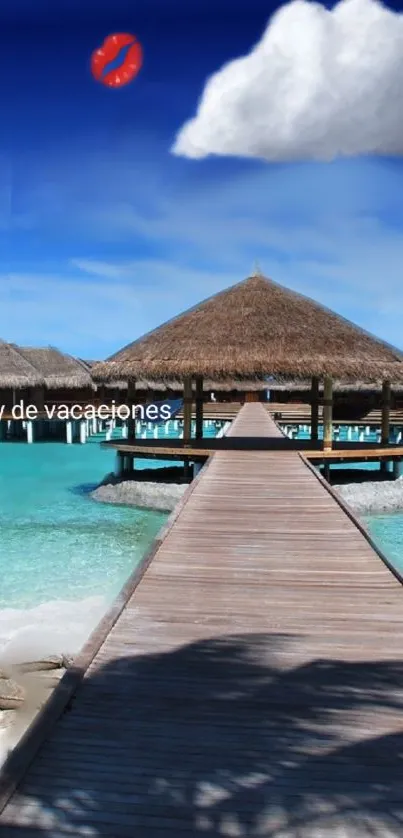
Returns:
(111, 385)
(254, 329)
(225, 385)
(58, 370)
(15, 371)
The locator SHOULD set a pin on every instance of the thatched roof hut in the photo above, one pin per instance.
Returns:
(57, 370)
(224, 385)
(16, 372)
(254, 329)
(111, 385)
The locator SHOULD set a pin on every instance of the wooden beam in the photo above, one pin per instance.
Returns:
(187, 409)
(328, 414)
(385, 422)
(360, 454)
(199, 407)
(131, 400)
(101, 393)
(38, 398)
(385, 419)
(314, 408)
(187, 419)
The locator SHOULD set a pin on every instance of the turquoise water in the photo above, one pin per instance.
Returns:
(387, 531)
(55, 542)
(342, 433)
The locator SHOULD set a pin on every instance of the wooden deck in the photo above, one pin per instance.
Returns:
(252, 687)
(199, 450)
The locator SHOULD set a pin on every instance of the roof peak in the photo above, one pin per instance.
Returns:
(256, 271)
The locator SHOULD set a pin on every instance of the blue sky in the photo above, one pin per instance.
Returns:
(104, 233)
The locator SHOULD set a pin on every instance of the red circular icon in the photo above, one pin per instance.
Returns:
(107, 53)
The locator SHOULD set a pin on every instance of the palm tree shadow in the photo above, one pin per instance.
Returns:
(220, 738)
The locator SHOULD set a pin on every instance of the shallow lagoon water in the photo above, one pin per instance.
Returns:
(63, 557)
(54, 541)
(387, 532)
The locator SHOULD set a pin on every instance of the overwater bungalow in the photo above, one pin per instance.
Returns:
(351, 400)
(253, 330)
(18, 377)
(40, 377)
(230, 390)
(106, 391)
(65, 380)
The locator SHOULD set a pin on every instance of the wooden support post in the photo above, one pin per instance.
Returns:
(187, 419)
(187, 409)
(118, 464)
(131, 400)
(315, 408)
(101, 393)
(38, 398)
(127, 465)
(328, 414)
(199, 407)
(385, 425)
(397, 469)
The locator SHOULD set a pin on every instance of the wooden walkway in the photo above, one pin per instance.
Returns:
(201, 450)
(251, 688)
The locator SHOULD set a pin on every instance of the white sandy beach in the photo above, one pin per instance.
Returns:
(58, 628)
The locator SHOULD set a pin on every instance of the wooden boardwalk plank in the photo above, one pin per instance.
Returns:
(252, 686)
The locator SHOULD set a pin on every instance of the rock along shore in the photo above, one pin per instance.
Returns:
(160, 489)
(24, 689)
(375, 497)
(157, 489)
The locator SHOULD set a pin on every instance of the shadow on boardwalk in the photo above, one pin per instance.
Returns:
(217, 739)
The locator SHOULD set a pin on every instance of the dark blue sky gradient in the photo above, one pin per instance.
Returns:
(95, 210)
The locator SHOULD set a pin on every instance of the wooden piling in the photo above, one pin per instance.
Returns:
(187, 418)
(38, 398)
(187, 409)
(397, 469)
(199, 407)
(131, 400)
(328, 414)
(385, 420)
(315, 408)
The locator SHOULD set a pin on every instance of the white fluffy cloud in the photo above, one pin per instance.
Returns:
(318, 84)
